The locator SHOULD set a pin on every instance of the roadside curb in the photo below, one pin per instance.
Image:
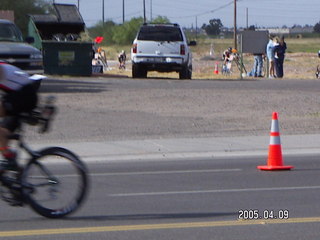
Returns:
(188, 148)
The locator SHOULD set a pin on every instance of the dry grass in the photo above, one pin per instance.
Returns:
(301, 59)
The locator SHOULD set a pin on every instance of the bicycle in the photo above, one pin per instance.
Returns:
(53, 181)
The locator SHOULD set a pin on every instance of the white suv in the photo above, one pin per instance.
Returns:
(162, 48)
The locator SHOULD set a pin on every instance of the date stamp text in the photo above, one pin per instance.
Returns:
(254, 214)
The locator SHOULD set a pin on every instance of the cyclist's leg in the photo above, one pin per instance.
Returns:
(9, 155)
(7, 126)
(13, 103)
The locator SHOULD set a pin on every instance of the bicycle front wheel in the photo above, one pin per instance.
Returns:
(55, 182)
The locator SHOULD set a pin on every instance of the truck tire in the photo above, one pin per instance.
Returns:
(138, 71)
(185, 72)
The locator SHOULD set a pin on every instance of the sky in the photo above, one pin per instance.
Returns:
(192, 13)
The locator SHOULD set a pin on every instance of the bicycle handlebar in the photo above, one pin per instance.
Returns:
(41, 115)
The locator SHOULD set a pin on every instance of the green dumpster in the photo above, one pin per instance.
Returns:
(67, 58)
(58, 35)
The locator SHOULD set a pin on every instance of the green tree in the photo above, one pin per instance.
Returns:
(121, 33)
(125, 33)
(252, 28)
(104, 30)
(23, 8)
(160, 19)
(117, 33)
(214, 27)
(316, 28)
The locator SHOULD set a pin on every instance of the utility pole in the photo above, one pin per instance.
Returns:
(247, 17)
(235, 24)
(144, 11)
(196, 27)
(122, 11)
(102, 12)
(79, 5)
(150, 10)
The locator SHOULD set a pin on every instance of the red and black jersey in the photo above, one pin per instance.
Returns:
(13, 78)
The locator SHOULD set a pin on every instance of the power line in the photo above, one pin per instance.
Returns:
(207, 12)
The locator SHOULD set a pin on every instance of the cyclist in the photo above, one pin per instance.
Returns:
(227, 57)
(20, 96)
(122, 57)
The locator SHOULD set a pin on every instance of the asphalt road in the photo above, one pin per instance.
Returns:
(193, 199)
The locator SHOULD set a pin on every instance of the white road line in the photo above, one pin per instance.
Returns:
(214, 191)
(166, 172)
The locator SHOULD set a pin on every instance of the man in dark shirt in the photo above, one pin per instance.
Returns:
(280, 50)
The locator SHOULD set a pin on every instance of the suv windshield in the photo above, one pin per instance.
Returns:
(9, 32)
(160, 33)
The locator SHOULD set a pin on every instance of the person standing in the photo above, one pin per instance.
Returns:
(271, 56)
(280, 50)
(257, 66)
(227, 57)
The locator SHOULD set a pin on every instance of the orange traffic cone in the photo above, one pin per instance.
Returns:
(275, 161)
(216, 68)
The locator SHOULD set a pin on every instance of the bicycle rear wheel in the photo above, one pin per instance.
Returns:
(55, 183)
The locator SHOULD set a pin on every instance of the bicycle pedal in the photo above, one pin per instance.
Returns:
(16, 203)
(9, 197)
(16, 197)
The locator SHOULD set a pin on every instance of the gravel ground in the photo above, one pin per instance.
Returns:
(106, 109)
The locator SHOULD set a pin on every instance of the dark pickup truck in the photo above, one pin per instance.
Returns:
(15, 51)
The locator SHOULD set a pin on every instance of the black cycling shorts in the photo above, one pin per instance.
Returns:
(16, 102)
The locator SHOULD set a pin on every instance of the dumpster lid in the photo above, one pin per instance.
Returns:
(68, 13)
(44, 18)
(63, 25)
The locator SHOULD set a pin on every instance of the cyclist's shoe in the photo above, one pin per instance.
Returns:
(9, 162)
(17, 199)
(13, 197)
(8, 165)
(16, 203)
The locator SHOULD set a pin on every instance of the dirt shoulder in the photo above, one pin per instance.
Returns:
(106, 109)
(296, 66)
